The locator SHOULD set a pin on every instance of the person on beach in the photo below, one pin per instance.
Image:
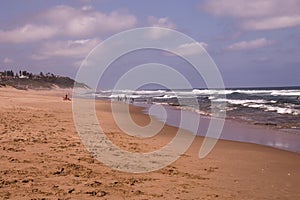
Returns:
(131, 100)
(66, 98)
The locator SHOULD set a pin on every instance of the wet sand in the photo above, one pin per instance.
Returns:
(42, 156)
(286, 139)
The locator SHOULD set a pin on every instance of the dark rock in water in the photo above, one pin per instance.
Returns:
(265, 124)
(173, 104)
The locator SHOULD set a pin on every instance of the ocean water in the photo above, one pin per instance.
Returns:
(277, 108)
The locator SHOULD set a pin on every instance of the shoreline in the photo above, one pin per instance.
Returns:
(273, 107)
(234, 130)
(42, 156)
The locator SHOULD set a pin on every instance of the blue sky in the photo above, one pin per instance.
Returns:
(253, 43)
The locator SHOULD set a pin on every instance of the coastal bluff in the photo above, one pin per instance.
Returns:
(24, 80)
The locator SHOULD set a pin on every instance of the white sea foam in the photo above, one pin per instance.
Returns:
(285, 92)
(258, 92)
(148, 92)
(241, 102)
(205, 92)
(211, 92)
(263, 104)
(281, 110)
(115, 96)
(166, 96)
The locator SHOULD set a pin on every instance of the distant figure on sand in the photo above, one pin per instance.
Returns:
(66, 98)
(131, 100)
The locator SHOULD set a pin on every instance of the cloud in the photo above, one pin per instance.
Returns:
(76, 22)
(70, 22)
(7, 60)
(164, 22)
(87, 8)
(257, 14)
(70, 49)
(254, 8)
(272, 23)
(252, 44)
(190, 48)
(27, 33)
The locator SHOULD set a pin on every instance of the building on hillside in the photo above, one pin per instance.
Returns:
(24, 77)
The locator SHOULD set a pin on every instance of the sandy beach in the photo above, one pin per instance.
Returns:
(42, 157)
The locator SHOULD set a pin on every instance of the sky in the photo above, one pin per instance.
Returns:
(253, 43)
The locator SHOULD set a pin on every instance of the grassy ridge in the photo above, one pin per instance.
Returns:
(39, 82)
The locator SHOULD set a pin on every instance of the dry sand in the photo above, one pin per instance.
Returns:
(42, 157)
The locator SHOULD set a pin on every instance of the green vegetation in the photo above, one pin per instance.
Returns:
(26, 80)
